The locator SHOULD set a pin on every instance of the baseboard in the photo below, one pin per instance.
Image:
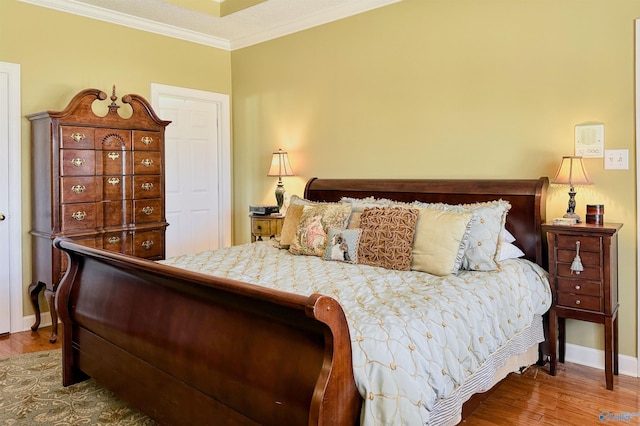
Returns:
(627, 365)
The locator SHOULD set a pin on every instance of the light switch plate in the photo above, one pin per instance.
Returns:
(616, 159)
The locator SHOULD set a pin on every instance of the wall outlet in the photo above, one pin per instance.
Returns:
(616, 159)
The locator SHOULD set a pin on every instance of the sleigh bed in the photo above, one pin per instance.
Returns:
(188, 347)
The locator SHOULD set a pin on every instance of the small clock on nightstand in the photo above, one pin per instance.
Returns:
(267, 226)
(583, 273)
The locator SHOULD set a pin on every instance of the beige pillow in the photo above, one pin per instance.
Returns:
(387, 237)
(440, 241)
(290, 225)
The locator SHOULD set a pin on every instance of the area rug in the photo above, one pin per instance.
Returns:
(31, 393)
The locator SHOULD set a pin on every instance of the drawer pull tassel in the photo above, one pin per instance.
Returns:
(576, 265)
(147, 244)
(79, 215)
(78, 189)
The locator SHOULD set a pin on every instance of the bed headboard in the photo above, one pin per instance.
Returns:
(527, 198)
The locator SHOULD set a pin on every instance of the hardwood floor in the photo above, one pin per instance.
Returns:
(29, 341)
(575, 396)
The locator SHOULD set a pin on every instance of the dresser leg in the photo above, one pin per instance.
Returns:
(553, 341)
(34, 290)
(50, 295)
(561, 338)
(608, 351)
(615, 345)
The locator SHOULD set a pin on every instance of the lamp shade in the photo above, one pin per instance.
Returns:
(280, 165)
(572, 172)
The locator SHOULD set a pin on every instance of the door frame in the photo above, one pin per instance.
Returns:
(637, 120)
(16, 288)
(224, 148)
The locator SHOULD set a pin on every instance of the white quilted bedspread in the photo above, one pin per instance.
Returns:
(416, 337)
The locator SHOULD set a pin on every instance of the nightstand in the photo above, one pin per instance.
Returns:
(589, 295)
(268, 226)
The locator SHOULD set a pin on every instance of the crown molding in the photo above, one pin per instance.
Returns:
(113, 17)
(118, 18)
(305, 23)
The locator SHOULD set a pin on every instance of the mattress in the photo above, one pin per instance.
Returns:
(422, 344)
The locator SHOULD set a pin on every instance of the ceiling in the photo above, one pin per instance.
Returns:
(226, 24)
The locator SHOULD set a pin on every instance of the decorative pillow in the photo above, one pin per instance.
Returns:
(509, 251)
(507, 236)
(295, 200)
(387, 237)
(359, 204)
(315, 221)
(440, 241)
(484, 237)
(290, 225)
(343, 245)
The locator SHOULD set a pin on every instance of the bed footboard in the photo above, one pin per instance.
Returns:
(188, 348)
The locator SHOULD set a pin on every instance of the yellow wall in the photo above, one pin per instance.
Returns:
(61, 54)
(448, 88)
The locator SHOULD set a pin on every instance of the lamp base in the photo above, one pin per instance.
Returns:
(572, 215)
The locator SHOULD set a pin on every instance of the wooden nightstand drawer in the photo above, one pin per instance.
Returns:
(262, 227)
(580, 301)
(590, 272)
(586, 243)
(587, 288)
(588, 257)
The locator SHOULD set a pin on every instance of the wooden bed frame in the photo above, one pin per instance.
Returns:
(188, 348)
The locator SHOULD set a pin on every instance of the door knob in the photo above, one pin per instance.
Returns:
(1, 217)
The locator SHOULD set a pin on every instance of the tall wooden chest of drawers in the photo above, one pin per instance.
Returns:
(98, 180)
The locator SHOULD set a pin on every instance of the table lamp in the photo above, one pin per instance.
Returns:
(572, 172)
(280, 166)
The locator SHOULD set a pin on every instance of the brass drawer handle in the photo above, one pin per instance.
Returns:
(147, 140)
(147, 210)
(78, 189)
(79, 215)
(113, 155)
(113, 180)
(78, 162)
(147, 186)
(147, 162)
(147, 244)
(113, 240)
(77, 136)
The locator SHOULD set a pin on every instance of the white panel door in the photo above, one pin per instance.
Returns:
(11, 289)
(191, 180)
(5, 291)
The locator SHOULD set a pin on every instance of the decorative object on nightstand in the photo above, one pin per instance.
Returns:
(280, 166)
(572, 172)
(583, 273)
(267, 226)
